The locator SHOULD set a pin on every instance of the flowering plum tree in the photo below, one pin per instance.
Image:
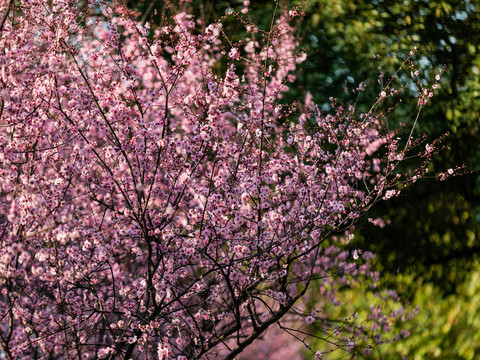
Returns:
(153, 205)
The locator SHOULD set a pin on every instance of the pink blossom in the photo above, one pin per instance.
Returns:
(309, 320)
(234, 54)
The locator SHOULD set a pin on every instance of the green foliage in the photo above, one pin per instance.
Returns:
(447, 327)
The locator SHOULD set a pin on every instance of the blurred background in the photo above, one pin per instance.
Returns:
(429, 248)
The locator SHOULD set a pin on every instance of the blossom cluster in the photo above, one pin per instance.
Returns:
(155, 206)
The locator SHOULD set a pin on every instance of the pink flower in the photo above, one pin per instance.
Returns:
(234, 54)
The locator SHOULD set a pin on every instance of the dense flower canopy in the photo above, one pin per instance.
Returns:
(155, 205)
